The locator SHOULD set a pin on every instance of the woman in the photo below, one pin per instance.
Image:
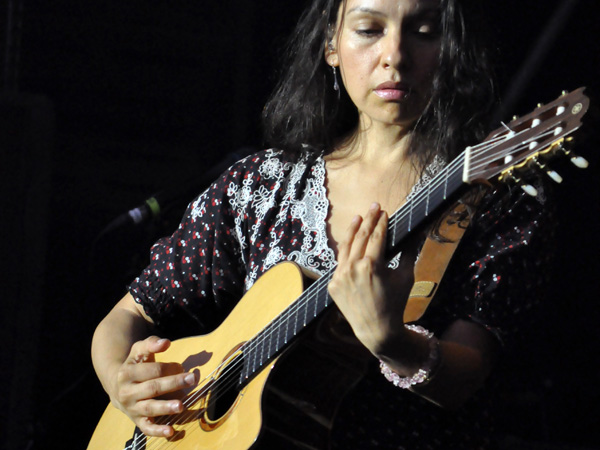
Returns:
(382, 93)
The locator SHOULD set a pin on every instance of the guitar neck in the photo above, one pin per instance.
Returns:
(427, 201)
(281, 331)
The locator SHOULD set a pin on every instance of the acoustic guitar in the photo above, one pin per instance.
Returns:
(230, 408)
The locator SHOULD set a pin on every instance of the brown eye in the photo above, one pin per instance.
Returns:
(368, 32)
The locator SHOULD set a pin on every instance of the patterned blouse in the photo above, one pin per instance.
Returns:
(267, 209)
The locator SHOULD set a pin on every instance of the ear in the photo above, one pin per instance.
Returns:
(331, 54)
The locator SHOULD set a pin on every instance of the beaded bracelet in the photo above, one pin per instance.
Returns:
(425, 372)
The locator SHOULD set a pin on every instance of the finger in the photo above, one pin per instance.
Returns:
(138, 373)
(376, 245)
(158, 345)
(155, 408)
(362, 236)
(160, 386)
(150, 428)
(346, 245)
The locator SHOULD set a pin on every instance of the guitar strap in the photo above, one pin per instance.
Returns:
(433, 261)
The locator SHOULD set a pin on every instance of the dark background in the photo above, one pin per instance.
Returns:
(105, 103)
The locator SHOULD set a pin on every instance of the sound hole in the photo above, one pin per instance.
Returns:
(225, 390)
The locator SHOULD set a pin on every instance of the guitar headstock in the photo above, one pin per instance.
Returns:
(532, 139)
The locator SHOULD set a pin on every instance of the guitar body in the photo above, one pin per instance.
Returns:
(289, 409)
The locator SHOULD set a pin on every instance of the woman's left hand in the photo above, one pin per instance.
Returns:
(371, 296)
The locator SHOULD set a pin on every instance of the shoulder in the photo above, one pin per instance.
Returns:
(267, 163)
(270, 164)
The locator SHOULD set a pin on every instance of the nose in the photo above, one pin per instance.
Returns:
(394, 53)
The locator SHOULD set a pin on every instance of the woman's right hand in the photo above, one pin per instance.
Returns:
(142, 386)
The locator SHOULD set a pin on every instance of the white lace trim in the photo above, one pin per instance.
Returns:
(312, 210)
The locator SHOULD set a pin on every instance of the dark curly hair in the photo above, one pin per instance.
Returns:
(304, 111)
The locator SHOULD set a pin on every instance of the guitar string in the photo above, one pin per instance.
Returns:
(200, 392)
(519, 147)
(397, 217)
(476, 151)
(260, 342)
(277, 324)
(228, 374)
(400, 217)
(236, 363)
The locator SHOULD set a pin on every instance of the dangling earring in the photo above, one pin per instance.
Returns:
(336, 86)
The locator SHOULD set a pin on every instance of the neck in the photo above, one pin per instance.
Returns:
(377, 144)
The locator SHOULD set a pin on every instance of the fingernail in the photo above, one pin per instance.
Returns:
(176, 407)
(190, 379)
(374, 206)
(161, 341)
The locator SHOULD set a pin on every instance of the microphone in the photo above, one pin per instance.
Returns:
(158, 203)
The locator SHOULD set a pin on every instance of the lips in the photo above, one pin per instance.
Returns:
(392, 90)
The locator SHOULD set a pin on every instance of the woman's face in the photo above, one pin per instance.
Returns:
(388, 52)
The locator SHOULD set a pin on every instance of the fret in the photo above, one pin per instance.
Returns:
(446, 183)
(305, 314)
(287, 326)
(295, 327)
(254, 361)
(278, 343)
(315, 303)
(270, 351)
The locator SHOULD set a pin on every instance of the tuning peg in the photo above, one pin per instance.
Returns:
(539, 105)
(554, 176)
(535, 162)
(565, 93)
(529, 190)
(580, 162)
